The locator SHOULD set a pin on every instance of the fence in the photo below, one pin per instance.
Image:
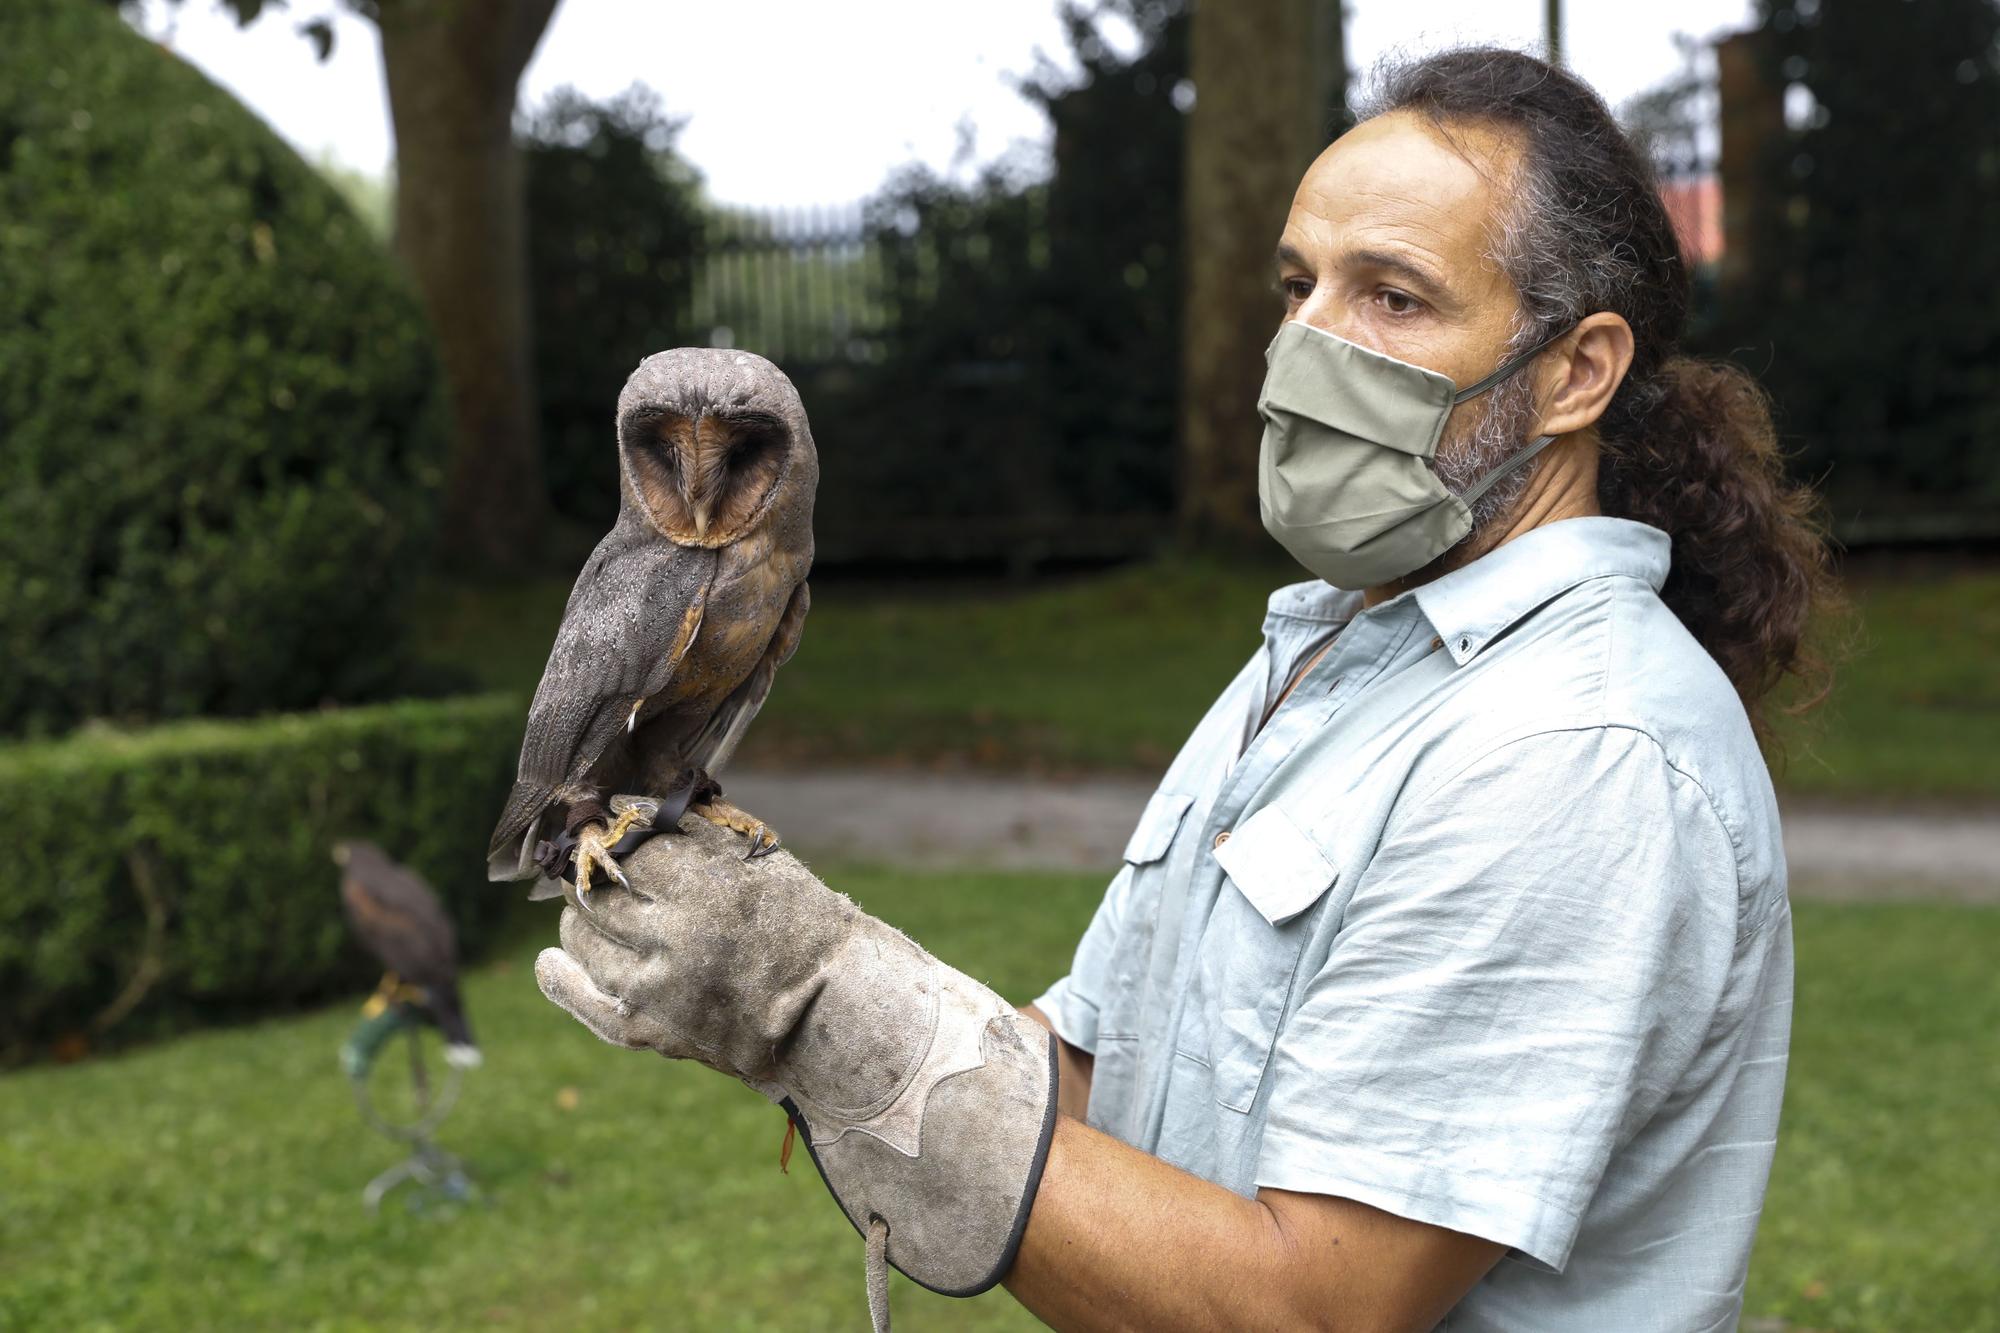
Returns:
(803, 286)
(926, 349)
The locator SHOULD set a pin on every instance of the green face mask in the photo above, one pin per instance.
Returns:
(1344, 478)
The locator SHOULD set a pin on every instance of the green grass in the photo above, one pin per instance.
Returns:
(1107, 671)
(1111, 671)
(214, 1181)
(1916, 708)
(1884, 1208)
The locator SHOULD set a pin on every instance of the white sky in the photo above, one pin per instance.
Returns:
(805, 101)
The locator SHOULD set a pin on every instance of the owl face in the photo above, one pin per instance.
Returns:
(706, 438)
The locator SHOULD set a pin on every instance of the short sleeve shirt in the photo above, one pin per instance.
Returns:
(1485, 926)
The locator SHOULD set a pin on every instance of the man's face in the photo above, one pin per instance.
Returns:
(1387, 245)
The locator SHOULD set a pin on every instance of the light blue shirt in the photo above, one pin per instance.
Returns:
(1486, 927)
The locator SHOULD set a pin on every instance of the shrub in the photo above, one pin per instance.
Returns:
(218, 401)
(197, 854)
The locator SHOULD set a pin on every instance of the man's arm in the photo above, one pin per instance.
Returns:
(1073, 1065)
(1119, 1239)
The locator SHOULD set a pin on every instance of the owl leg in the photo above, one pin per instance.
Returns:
(596, 848)
(763, 838)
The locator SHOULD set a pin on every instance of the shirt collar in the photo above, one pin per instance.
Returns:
(1315, 601)
(1472, 606)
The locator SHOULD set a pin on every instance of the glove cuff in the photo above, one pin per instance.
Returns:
(955, 1194)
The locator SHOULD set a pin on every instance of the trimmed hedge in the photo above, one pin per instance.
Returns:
(221, 433)
(198, 853)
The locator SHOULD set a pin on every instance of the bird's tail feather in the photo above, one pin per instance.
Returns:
(449, 1011)
(511, 853)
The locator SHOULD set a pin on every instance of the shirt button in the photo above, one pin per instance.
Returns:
(1221, 838)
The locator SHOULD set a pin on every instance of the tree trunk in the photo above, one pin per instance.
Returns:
(452, 68)
(1266, 76)
(1752, 123)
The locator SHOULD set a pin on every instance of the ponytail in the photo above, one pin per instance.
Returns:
(1687, 445)
(1692, 451)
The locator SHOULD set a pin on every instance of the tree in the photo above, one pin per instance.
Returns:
(614, 224)
(452, 69)
(1869, 309)
(1269, 85)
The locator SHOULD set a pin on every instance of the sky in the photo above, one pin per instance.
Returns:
(806, 102)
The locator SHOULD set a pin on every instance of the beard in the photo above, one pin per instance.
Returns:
(1492, 433)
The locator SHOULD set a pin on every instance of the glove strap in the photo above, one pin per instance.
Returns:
(557, 856)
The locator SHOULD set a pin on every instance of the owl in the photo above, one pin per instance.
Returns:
(679, 621)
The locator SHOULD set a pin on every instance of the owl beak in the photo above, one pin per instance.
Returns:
(701, 520)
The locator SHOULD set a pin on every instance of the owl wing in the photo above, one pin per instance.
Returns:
(630, 618)
(718, 738)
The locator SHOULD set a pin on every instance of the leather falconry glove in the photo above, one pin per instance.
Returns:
(926, 1100)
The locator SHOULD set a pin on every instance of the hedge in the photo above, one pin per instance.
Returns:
(178, 875)
(219, 404)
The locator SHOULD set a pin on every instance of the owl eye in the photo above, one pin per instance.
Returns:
(756, 437)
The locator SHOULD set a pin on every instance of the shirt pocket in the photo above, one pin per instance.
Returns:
(1274, 865)
(1146, 853)
(1254, 944)
(1158, 824)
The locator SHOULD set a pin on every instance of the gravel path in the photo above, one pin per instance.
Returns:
(927, 819)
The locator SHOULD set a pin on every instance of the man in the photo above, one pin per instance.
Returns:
(1447, 981)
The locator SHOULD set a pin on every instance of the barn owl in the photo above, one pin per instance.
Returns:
(678, 622)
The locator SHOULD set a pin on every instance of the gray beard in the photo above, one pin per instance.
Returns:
(1471, 449)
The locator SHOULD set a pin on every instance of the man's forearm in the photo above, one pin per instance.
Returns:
(1119, 1239)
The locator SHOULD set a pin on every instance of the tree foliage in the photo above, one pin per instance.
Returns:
(613, 217)
(1035, 319)
(218, 401)
(1876, 249)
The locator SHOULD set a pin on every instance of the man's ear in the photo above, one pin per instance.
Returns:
(1576, 378)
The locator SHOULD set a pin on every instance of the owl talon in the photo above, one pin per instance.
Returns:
(763, 838)
(593, 857)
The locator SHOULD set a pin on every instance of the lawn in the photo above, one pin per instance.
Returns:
(213, 1181)
(1111, 670)
(1916, 707)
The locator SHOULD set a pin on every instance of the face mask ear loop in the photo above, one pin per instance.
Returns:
(1509, 367)
(1501, 473)
(1506, 469)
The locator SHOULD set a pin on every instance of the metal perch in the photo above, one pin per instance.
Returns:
(437, 1173)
